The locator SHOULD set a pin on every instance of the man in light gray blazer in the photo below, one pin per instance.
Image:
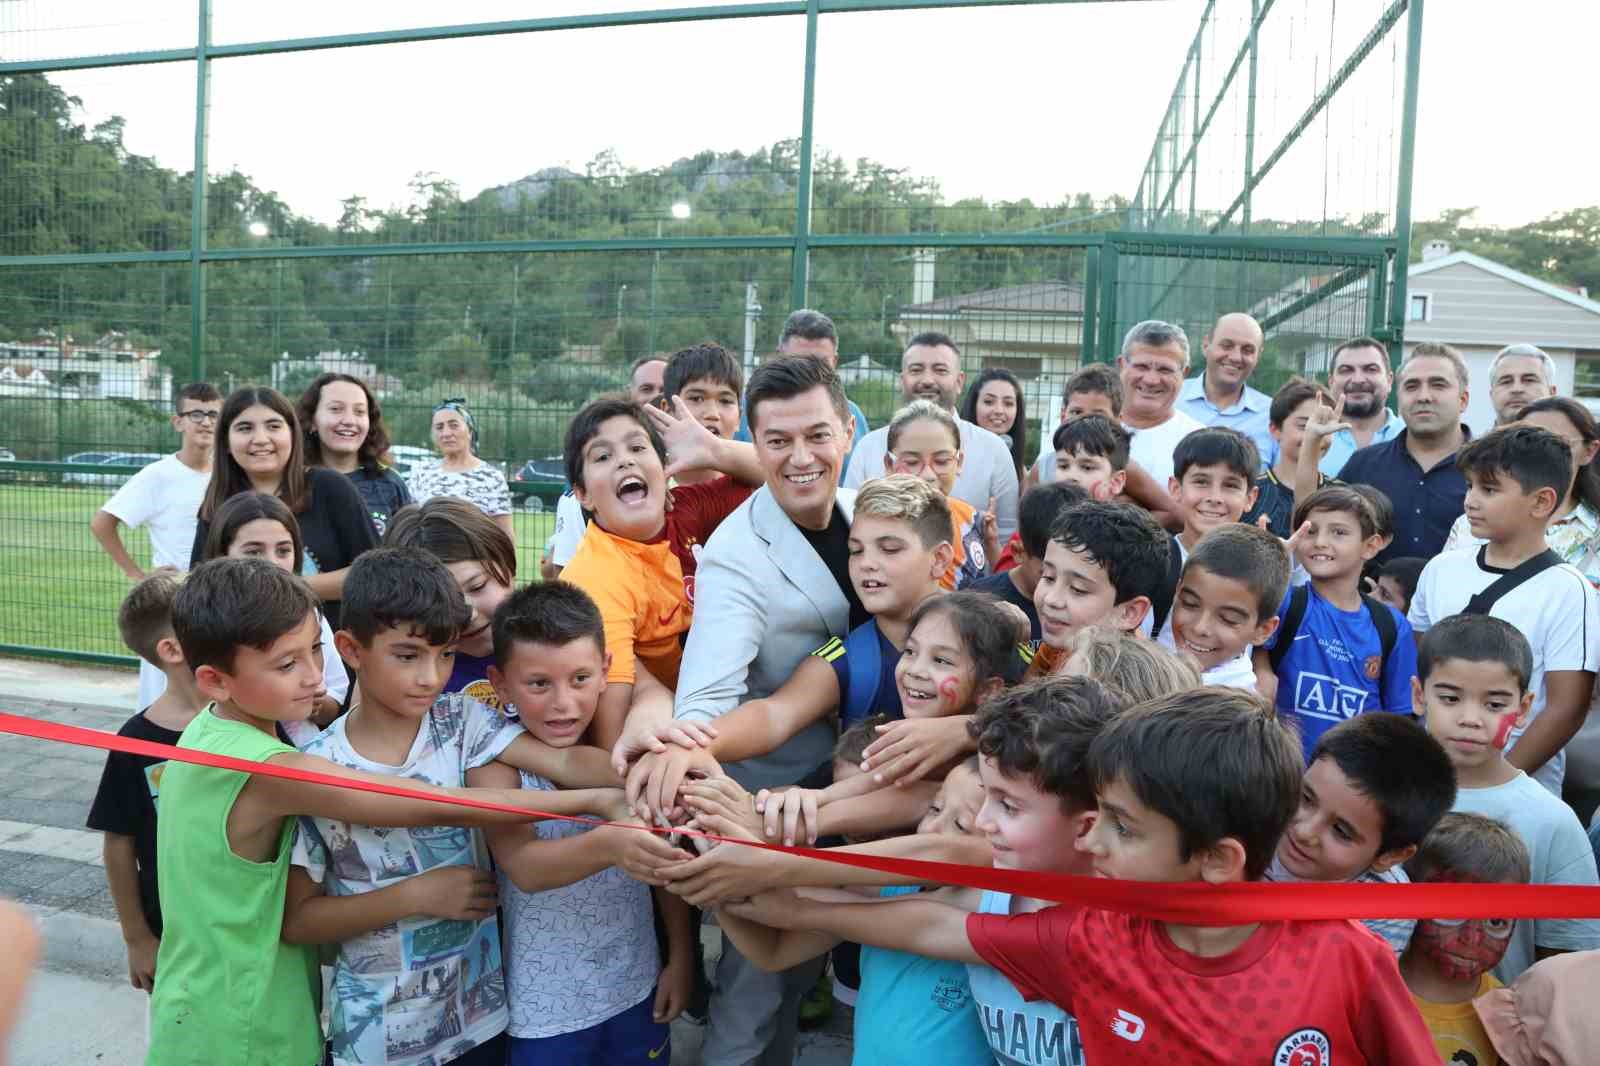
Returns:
(930, 369)
(772, 586)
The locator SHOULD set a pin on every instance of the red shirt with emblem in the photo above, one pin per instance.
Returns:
(1293, 994)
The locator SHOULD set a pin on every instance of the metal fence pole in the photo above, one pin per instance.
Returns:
(197, 199)
(1402, 208)
(800, 264)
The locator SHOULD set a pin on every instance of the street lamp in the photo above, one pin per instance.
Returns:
(259, 229)
(681, 212)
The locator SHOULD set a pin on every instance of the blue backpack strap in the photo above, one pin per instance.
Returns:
(864, 658)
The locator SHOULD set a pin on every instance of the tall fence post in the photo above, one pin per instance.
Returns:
(800, 264)
(1402, 208)
(197, 200)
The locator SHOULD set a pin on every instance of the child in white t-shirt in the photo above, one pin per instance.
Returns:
(1227, 601)
(1516, 477)
(165, 497)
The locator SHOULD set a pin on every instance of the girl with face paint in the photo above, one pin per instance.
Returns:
(1448, 962)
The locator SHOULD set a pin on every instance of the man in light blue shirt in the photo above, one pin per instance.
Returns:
(1360, 373)
(808, 332)
(1219, 395)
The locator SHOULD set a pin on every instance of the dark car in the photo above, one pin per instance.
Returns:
(540, 482)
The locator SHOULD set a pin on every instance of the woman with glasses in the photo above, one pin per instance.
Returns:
(344, 431)
(925, 442)
(460, 472)
(261, 449)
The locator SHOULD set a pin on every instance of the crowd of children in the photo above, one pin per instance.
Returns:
(1204, 681)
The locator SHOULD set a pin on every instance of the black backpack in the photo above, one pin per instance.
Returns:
(1382, 620)
(1161, 602)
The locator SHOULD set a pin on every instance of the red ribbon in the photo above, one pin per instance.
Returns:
(1189, 903)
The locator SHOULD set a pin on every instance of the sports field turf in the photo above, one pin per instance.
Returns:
(58, 590)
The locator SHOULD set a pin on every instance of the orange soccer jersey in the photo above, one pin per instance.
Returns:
(645, 589)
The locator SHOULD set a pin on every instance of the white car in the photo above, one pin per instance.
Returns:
(406, 456)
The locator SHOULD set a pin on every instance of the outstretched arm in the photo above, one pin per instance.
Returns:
(919, 926)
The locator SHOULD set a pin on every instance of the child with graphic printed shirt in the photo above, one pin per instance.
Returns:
(229, 979)
(1192, 787)
(637, 558)
(1334, 665)
(585, 982)
(412, 910)
(124, 807)
(1223, 605)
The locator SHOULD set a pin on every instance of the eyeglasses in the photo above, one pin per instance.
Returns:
(199, 417)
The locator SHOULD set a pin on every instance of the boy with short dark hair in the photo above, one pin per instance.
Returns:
(229, 980)
(1192, 787)
(1037, 513)
(1226, 601)
(1472, 689)
(638, 557)
(583, 975)
(1292, 407)
(1397, 582)
(1213, 484)
(1103, 565)
(710, 381)
(1092, 453)
(1447, 965)
(1355, 655)
(1516, 478)
(1092, 390)
(125, 805)
(1376, 785)
(413, 911)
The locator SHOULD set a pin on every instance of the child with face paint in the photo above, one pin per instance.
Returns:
(1472, 689)
(1447, 964)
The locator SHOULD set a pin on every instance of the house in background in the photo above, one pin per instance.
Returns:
(1476, 306)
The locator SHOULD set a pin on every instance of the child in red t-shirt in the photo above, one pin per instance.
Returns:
(1192, 787)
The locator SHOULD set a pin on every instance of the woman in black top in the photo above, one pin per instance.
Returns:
(259, 449)
(344, 430)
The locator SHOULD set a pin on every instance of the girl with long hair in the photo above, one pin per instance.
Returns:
(343, 424)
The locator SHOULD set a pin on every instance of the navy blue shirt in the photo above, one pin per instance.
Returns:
(1426, 502)
(1001, 586)
(885, 697)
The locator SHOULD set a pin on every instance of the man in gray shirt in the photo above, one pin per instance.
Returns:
(930, 369)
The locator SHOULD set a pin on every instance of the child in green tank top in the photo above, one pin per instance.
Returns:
(227, 987)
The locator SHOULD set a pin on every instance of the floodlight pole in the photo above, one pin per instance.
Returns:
(1402, 208)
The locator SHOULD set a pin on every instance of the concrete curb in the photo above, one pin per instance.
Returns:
(80, 943)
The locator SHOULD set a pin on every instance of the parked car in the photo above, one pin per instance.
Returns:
(7, 455)
(406, 456)
(539, 483)
(135, 459)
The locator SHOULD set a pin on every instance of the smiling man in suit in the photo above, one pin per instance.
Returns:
(773, 585)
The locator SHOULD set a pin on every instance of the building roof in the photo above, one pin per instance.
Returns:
(1035, 298)
(1557, 292)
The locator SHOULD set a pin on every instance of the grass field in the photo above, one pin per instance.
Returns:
(59, 591)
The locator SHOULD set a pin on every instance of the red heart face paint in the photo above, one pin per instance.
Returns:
(1463, 950)
(950, 692)
(1503, 732)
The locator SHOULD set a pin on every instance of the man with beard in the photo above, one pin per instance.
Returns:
(1361, 374)
(1417, 469)
(1220, 395)
(1519, 375)
(930, 369)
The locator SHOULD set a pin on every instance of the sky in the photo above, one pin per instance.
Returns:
(1032, 101)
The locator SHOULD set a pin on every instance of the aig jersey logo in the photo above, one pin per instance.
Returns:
(1128, 1026)
(1304, 1047)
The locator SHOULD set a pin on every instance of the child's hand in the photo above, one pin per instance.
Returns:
(674, 987)
(793, 810)
(775, 909)
(642, 739)
(910, 749)
(324, 711)
(1325, 421)
(726, 871)
(641, 854)
(726, 801)
(690, 445)
(654, 781)
(454, 893)
(989, 533)
(142, 962)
